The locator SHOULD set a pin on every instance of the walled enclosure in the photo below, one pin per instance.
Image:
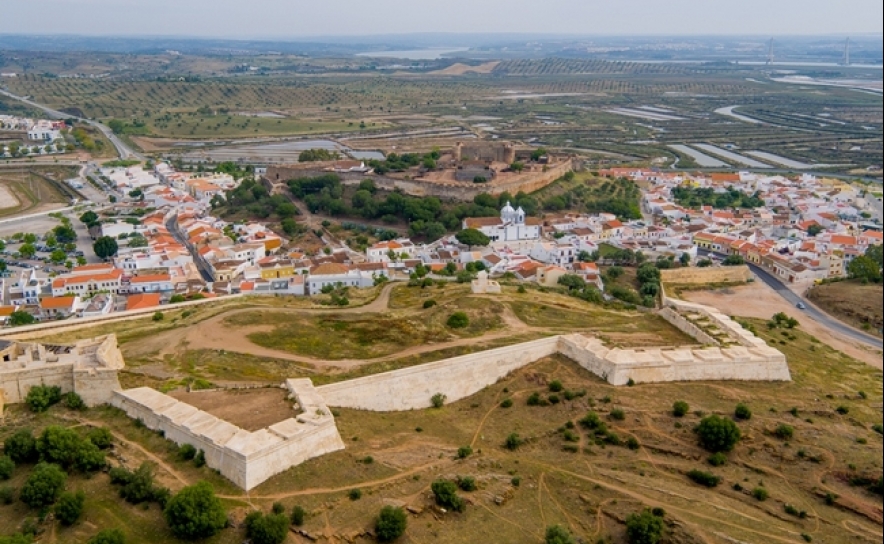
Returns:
(245, 458)
(709, 274)
(88, 368)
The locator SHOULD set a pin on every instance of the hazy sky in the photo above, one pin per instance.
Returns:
(298, 18)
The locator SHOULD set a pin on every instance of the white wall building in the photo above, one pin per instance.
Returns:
(512, 226)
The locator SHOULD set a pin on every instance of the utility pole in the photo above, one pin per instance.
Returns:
(770, 52)
(847, 52)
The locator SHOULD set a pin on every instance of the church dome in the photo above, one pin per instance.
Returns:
(507, 213)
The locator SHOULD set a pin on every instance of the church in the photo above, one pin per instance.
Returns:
(511, 226)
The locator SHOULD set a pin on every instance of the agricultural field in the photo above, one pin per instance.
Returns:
(583, 455)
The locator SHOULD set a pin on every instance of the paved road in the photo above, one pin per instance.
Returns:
(811, 310)
(202, 266)
(123, 150)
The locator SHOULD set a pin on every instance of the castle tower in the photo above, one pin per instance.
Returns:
(457, 151)
(509, 153)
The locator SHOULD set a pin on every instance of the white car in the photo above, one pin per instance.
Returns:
(800, 306)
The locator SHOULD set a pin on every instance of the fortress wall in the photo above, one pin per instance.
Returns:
(709, 274)
(96, 385)
(456, 378)
(679, 322)
(15, 383)
(310, 442)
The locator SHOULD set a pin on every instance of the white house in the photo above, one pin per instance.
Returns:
(151, 283)
(335, 274)
(511, 226)
(560, 252)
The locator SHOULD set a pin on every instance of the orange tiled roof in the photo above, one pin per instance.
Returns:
(56, 303)
(142, 301)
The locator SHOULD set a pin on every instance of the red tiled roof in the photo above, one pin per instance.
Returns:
(142, 301)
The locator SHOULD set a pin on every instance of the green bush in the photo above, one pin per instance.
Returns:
(65, 447)
(784, 431)
(555, 386)
(506, 403)
(429, 303)
(354, 494)
(632, 443)
(438, 400)
(108, 536)
(760, 494)
(843, 410)
(618, 414)
(266, 529)
(21, 447)
(445, 493)
(187, 452)
(101, 437)
(512, 442)
(704, 478)
(717, 459)
(464, 451)
(458, 320)
(158, 316)
(7, 467)
(556, 534)
(199, 460)
(73, 401)
(718, 434)
(7, 495)
(195, 512)
(644, 527)
(466, 483)
(298, 515)
(43, 486)
(680, 408)
(742, 412)
(390, 524)
(41, 397)
(70, 507)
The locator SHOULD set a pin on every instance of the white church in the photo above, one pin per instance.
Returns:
(511, 226)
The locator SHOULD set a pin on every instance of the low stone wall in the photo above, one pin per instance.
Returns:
(15, 384)
(245, 458)
(681, 323)
(709, 274)
(458, 377)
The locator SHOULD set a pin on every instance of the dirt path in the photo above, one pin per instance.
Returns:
(758, 300)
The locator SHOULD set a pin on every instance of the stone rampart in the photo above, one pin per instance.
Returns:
(245, 458)
(456, 378)
(681, 323)
(15, 383)
(709, 274)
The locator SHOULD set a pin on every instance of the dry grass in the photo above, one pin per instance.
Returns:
(852, 302)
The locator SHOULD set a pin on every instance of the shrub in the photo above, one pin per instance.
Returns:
(464, 451)
(680, 408)
(784, 432)
(66, 448)
(515, 481)
(354, 494)
(512, 442)
(73, 401)
(659, 512)
(390, 524)
(458, 320)
(429, 303)
(101, 437)
(195, 512)
(7, 495)
(138, 486)
(742, 412)
(199, 460)
(269, 529)
(644, 528)
(7, 467)
(878, 428)
(843, 410)
(446, 495)
(438, 400)
(41, 397)
(760, 494)
(21, 447)
(157, 316)
(618, 414)
(632, 443)
(187, 452)
(70, 507)
(704, 478)
(592, 422)
(717, 459)
(717, 434)
(506, 403)
(534, 399)
(43, 485)
(298, 515)
(466, 483)
(108, 536)
(553, 399)
(556, 534)
(555, 386)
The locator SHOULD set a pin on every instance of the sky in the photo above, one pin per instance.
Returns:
(250, 19)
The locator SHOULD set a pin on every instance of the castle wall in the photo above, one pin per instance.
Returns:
(96, 385)
(681, 323)
(456, 378)
(15, 383)
(709, 274)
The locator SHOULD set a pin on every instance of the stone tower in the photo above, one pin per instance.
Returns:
(457, 151)
(509, 153)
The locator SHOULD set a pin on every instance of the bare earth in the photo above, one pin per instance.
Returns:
(249, 409)
(7, 199)
(459, 69)
(758, 300)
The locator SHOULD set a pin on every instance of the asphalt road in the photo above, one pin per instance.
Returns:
(810, 310)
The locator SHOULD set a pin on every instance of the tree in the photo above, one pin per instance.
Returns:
(105, 247)
(41, 397)
(195, 512)
(472, 237)
(108, 536)
(458, 320)
(390, 523)
(21, 317)
(717, 433)
(733, 260)
(685, 259)
(517, 166)
(814, 229)
(742, 412)
(58, 256)
(29, 238)
(538, 153)
(89, 218)
(7, 467)
(65, 234)
(298, 515)
(680, 408)
(876, 253)
(556, 534)
(21, 447)
(445, 493)
(43, 485)
(864, 268)
(644, 528)
(266, 529)
(70, 507)
(27, 250)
